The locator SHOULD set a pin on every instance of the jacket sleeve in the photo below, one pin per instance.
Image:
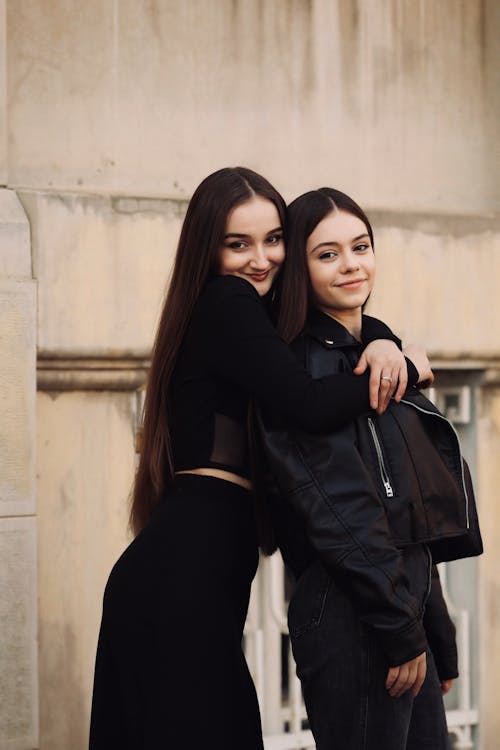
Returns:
(440, 631)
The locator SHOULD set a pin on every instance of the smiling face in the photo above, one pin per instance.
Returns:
(253, 246)
(341, 266)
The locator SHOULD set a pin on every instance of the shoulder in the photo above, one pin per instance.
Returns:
(227, 295)
(221, 288)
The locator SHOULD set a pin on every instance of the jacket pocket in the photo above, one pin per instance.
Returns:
(308, 600)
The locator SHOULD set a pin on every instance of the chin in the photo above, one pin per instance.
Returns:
(263, 290)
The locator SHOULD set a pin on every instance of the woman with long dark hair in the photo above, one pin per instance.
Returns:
(361, 508)
(170, 671)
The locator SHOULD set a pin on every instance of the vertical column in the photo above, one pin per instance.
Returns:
(18, 572)
(3, 95)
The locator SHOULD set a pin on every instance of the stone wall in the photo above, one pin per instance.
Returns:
(18, 557)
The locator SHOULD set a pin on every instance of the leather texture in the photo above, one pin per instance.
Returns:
(334, 483)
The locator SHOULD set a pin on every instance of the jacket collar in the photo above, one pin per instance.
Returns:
(328, 331)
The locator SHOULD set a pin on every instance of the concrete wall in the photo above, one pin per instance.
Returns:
(3, 95)
(112, 113)
(18, 563)
(489, 564)
(388, 99)
(85, 446)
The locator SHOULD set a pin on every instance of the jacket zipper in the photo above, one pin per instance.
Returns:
(384, 474)
(441, 416)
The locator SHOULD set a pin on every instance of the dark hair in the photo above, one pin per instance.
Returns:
(197, 252)
(303, 216)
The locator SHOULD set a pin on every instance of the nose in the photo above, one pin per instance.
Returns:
(259, 260)
(350, 262)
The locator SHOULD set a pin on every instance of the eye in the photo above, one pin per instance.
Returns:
(328, 255)
(237, 245)
(274, 239)
(361, 247)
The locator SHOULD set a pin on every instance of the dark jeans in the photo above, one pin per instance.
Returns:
(343, 672)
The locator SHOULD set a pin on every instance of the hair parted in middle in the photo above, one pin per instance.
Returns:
(196, 261)
(293, 288)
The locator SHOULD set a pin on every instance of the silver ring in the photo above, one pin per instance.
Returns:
(386, 377)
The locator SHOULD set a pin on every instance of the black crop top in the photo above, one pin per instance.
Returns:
(231, 351)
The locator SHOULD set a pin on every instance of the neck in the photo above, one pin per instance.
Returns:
(350, 319)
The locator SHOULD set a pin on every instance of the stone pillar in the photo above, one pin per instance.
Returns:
(18, 574)
(3, 95)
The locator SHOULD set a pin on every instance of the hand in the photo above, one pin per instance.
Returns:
(418, 356)
(408, 676)
(388, 372)
(446, 686)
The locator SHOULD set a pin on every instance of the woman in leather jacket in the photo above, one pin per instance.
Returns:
(358, 510)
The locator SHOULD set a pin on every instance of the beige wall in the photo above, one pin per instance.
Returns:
(85, 446)
(102, 266)
(489, 566)
(115, 110)
(387, 99)
(438, 279)
(3, 95)
(18, 557)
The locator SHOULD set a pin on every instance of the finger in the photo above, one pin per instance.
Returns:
(374, 386)
(361, 366)
(395, 380)
(401, 684)
(383, 393)
(402, 382)
(420, 677)
(392, 676)
(393, 384)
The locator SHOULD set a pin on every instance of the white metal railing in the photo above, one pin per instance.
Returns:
(464, 717)
(278, 689)
(271, 663)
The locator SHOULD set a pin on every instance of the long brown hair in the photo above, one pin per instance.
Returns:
(196, 260)
(303, 216)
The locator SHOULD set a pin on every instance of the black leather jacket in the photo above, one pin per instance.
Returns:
(371, 488)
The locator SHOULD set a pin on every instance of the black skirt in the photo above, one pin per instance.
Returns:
(170, 671)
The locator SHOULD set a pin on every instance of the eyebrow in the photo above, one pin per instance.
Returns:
(336, 244)
(243, 236)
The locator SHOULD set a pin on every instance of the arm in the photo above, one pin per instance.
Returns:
(440, 631)
(243, 346)
(384, 360)
(347, 526)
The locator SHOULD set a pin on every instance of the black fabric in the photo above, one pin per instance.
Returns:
(343, 671)
(232, 350)
(170, 671)
(440, 631)
(336, 492)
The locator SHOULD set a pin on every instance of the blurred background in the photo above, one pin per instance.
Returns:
(111, 112)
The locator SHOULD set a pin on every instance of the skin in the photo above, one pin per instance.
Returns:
(446, 686)
(253, 246)
(341, 265)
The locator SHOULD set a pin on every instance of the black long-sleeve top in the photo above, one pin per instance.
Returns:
(440, 631)
(232, 351)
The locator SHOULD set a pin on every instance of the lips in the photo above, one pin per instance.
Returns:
(260, 276)
(354, 284)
